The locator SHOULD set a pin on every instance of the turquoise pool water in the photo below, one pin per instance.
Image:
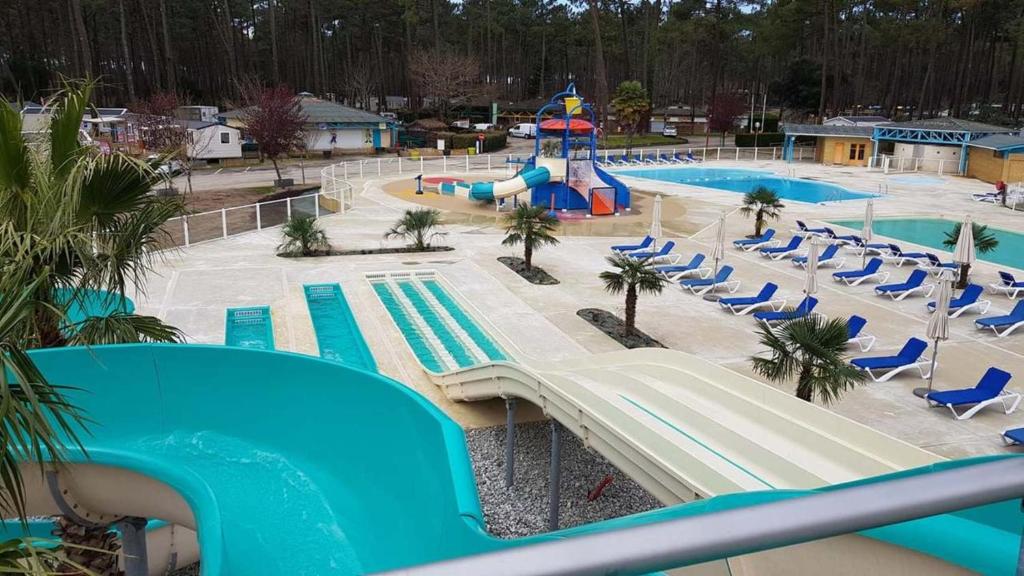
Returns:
(249, 328)
(440, 332)
(337, 334)
(931, 232)
(743, 181)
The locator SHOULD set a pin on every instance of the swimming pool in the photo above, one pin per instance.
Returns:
(337, 334)
(743, 181)
(931, 232)
(249, 328)
(440, 332)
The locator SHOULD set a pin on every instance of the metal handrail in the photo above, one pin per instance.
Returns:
(667, 544)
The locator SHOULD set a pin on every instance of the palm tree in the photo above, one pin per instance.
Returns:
(303, 235)
(417, 226)
(984, 242)
(77, 221)
(73, 222)
(530, 226)
(633, 276)
(764, 204)
(811, 349)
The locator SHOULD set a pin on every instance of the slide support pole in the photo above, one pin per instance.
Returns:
(510, 440)
(133, 537)
(555, 480)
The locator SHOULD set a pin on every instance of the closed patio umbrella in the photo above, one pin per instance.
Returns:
(963, 254)
(718, 250)
(938, 325)
(656, 221)
(866, 232)
(811, 279)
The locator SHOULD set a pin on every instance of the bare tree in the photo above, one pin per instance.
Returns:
(274, 120)
(362, 82)
(446, 78)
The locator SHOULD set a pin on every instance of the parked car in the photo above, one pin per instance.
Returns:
(525, 130)
(464, 124)
(483, 126)
(670, 131)
(168, 168)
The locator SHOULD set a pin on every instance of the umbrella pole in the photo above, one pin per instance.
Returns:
(931, 372)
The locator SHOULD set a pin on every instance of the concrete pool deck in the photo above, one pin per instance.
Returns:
(194, 286)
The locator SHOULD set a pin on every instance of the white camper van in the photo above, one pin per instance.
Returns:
(524, 131)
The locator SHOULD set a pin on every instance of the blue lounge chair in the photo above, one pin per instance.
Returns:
(992, 197)
(643, 245)
(912, 285)
(910, 356)
(675, 272)
(776, 318)
(701, 286)
(740, 305)
(826, 258)
(1007, 323)
(778, 253)
(803, 230)
(899, 257)
(932, 264)
(762, 241)
(663, 253)
(872, 270)
(859, 246)
(690, 158)
(989, 390)
(1014, 436)
(969, 299)
(650, 159)
(856, 334)
(841, 239)
(1007, 285)
(665, 159)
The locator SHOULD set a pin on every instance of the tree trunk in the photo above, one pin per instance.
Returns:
(275, 68)
(824, 59)
(804, 389)
(965, 271)
(276, 169)
(630, 309)
(83, 37)
(128, 73)
(758, 223)
(93, 548)
(528, 255)
(600, 72)
(172, 79)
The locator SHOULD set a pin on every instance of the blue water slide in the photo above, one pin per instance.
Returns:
(348, 472)
(621, 190)
(529, 177)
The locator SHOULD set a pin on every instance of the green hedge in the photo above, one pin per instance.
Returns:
(766, 139)
(493, 141)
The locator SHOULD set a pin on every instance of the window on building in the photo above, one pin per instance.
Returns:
(857, 151)
(225, 137)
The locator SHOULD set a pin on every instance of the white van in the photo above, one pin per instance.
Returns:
(524, 131)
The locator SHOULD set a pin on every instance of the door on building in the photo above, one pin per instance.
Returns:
(837, 154)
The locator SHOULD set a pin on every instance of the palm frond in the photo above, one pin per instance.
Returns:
(123, 328)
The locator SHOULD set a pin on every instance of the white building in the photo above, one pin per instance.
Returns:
(856, 121)
(212, 141)
(197, 113)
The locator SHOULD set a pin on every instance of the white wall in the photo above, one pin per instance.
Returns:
(205, 144)
(927, 152)
(347, 139)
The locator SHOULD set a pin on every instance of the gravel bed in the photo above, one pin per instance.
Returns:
(615, 328)
(523, 509)
(536, 275)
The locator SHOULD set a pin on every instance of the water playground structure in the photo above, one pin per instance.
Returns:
(563, 173)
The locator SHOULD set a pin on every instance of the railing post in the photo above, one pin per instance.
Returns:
(774, 150)
(288, 203)
(737, 154)
(755, 153)
(444, 164)
(488, 162)
(941, 162)
(421, 164)
(259, 218)
(360, 168)
(378, 166)
(800, 155)
(510, 441)
(316, 205)
(344, 166)
(224, 221)
(184, 223)
(399, 164)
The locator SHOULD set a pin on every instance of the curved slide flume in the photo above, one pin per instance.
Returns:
(528, 178)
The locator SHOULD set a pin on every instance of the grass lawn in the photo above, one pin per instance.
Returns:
(641, 141)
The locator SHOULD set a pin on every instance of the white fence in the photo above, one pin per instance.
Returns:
(889, 164)
(337, 193)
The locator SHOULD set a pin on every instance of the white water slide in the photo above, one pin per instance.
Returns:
(684, 427)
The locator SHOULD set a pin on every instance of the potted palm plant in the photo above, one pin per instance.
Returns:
(632, 276)
(984, 242)
(531, 226)
(810, 349)
(764, 204)
(302, 235)
(418, 227)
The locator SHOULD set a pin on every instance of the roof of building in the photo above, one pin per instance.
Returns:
(201, 124)
(860, 119)
(319, 111)
(998, 142)
(823, 130)
(949, 124)
(103, 112)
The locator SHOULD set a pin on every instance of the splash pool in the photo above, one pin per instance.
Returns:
(440, 332)
(337, 335)
(743, 181)
(249, 328)
(932, 231)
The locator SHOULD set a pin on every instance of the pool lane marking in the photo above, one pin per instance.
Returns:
(694, 439)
